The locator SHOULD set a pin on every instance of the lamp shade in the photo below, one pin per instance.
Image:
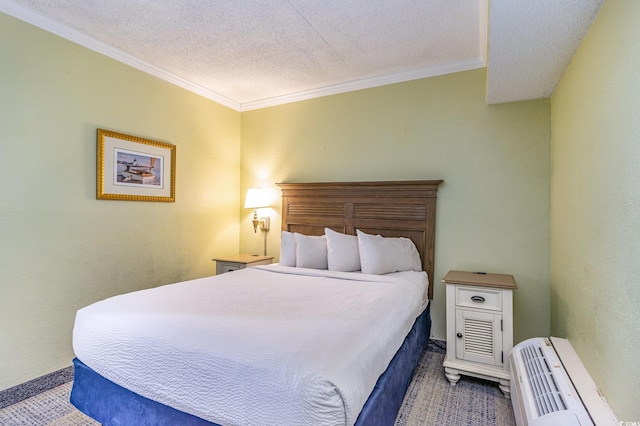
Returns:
(257, 198)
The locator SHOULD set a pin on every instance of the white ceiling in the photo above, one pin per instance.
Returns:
(249, 54)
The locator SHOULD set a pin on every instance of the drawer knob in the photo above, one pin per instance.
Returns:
(459, 335)
(478, 299)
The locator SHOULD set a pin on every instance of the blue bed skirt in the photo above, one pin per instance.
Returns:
(111, 404)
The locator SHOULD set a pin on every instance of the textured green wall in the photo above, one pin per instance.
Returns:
(595, 200)
(493, 208)
(60, 248)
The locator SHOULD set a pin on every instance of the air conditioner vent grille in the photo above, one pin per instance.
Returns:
(545, 391)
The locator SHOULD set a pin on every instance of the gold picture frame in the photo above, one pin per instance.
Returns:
(131, 168)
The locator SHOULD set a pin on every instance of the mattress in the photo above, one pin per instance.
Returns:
(264, 345)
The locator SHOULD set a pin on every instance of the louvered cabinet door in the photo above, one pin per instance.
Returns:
(479, 337)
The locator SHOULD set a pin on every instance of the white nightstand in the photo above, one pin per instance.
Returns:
(479, 326)
(241, 261)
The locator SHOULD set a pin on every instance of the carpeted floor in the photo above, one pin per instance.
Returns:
(430, 400)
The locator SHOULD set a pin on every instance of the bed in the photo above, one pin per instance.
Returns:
(151, 357)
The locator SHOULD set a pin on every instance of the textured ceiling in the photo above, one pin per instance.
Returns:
(531, 44)
(248, 54)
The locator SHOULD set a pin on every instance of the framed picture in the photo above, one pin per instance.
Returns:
(134, 169)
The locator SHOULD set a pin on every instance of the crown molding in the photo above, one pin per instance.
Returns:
(27, 15)
(369, 83)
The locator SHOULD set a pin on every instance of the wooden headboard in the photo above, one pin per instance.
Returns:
(391, 209)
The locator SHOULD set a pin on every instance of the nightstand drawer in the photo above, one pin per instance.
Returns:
(473, 297)
(228, 267)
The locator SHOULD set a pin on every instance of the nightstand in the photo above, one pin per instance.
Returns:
(241, 261)
(479, 326)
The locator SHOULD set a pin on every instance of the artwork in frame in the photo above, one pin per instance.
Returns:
(131, 168)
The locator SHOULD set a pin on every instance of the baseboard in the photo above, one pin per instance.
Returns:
(33, 387)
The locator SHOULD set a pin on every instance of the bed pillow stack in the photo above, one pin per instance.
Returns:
(371, 254)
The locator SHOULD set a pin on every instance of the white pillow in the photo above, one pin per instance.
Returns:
(287, 249)
(380, 255)
(311, 251)
(342, 251)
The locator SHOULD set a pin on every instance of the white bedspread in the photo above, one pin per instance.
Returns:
(262, 346)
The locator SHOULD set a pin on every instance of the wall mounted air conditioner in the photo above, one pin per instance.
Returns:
(543, 392)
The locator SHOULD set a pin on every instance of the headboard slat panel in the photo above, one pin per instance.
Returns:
(310, 209)
(391, 212)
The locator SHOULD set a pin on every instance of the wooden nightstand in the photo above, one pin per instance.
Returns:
(241, 261)
(479, 326)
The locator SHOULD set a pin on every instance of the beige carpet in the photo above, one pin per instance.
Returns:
(430, 400)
